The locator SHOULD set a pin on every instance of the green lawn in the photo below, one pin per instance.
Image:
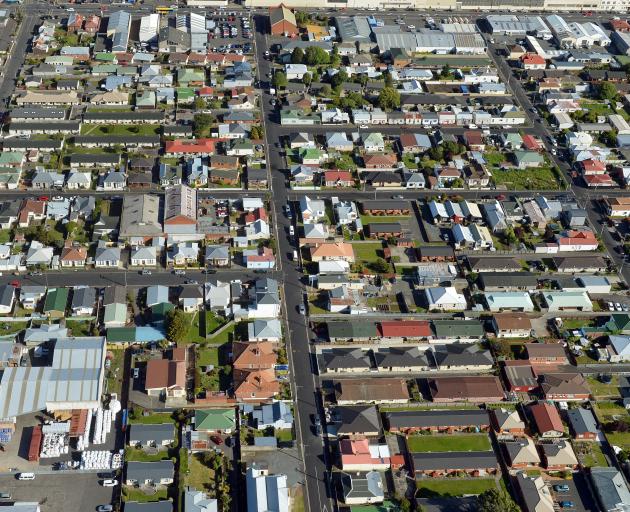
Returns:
(494, 158)
(620, 439)
(213, 322)
(526, 179)
(224, 336)
(601, 390)
(376, 219)
(208, 355)
(138, 455)
(576, 323)
(368, 252)
(450, 487)
(449, 443)
(200, 477)
(115, 373)
(78, 327)
(195, 332)
(131, 494)
(589, 453)
(153, 419)
(284, 435)
(10, 328)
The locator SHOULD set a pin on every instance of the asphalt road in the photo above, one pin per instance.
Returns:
(306, 396)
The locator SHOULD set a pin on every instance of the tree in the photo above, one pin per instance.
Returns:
(200, 103)
(380, 265)
(257, 132)
(389, 98)
(297, 56)
(201, 124)
(176, 325)
(494, 500)
(389, 81)
(316, 56)
(302, 18)
(280, 80)
(307, 79)
(510, 236)
(607, 91)
(338, 79)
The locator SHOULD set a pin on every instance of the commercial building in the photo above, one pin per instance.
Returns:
(140, 217)
(118, 30)
(149, 27)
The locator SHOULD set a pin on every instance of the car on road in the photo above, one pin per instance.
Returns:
(561, 488)
(398, 196)
(5, 495)
(291, 230)
(35, 273)
(625, 308)
(208, 271)
(145, 272)
(617, 306)
(191, 281)
(364, 126)
(566, 504)
(15, 283)
(260, 271)
(104, 508)
(136, 373)
(109, 482)
(26, 476)
(43, 198)
(179, 272)
(302, 309)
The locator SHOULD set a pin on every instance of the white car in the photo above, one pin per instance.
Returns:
(611, 306)
(617, 306)
(110, 482)
(364, 126)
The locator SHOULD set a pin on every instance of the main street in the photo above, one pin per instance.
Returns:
(307, 398)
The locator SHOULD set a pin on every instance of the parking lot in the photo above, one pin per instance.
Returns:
(577, 494)
(60, 492)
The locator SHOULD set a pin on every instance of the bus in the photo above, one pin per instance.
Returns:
(165, 9)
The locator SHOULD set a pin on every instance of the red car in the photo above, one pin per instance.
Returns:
(216, 439)
(43, 198)
(15, 283)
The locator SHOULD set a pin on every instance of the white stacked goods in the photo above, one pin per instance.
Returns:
(108, 417)
(54, 445)
(100, 431)
(115, 407)
(98, 459)
(56, 427)
(117, 460)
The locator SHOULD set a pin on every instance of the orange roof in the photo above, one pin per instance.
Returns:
(255, 384)
(73, 254)
(254, 355)
(264, 254)
(31, 206)
(334, 249)
(532, 58)
(193, 146)
(405, 328)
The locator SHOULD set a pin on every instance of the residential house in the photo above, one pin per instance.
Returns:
(547, 420)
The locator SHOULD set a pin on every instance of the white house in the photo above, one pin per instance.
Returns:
(445, 298)
(295, 71)
(313, 210)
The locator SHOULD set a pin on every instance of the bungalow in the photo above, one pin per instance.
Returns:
(151, 436)
(150, 473)
(466, 389)
(558, 456)
(332, 251)
(83, 300)
(442, 421)
(567, 301)
(514, 301)
(546, 354)
(437, 464)
(564, 386)
(73, 256)
(507, 423)
(521, 453)
(511, 325)
(363, 455)
(445, 299)
(336, 178)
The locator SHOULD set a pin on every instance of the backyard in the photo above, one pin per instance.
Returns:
(133, 494)
(11, 328)
(589, 454)
(156, 418)
(98, 129)
(449, 443)
(139, 455)
(115, 372)
(600, 389)
(542, 178)
(450, 487)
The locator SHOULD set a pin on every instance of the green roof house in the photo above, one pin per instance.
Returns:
(527, 159)
(215, 420)
(11, 158)
(185, 95)
(59, 60)
(159, 311)
(56, 302)
(352, 330)
(145, 99)
(104, 69)
(121, 335)
(511, 140)
(459, 329)
(311, 156)
(189, 76)
(105, 57)
(618, 323)
(296, 117)
(10, 177)
(115, 315)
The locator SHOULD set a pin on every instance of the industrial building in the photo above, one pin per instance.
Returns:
(149, 28)
(118, 30)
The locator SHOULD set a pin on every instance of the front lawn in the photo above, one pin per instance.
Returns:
(526, 179)
(284, 435)
(601, 390)
(449, 443)
(451, 487)
(151, 419)
(367, 252)
(10, 328)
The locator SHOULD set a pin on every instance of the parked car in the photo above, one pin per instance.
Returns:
(302, 309)
(216, 440)
(109, 482)
(146, 272)
(105, 508)
(561, 488)
(566, 504)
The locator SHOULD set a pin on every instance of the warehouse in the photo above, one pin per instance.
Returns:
(73, 381)
(428, 41)
(512, 25)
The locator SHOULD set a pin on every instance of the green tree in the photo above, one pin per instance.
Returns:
(338, 79)
(325, 91)
(297, 56)
(280, 80)
(316, 56)
(200, 103)
(389, 81)
(510, 236)
(607, 91)
(176, 325)
(335, 59)
(380, 265)
(257, 132)
(201, 124)
(389, 98)
(302, 18)
(494, 500)
(307, 79)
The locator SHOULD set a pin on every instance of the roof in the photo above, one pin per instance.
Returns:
(149, 432)
(564, 384)
(535, 493)
(141, 471)
(56, 299)
(215, 419)
(512, 322)
(367, 390)
(435, 461)
(610, 487)
(437, 418)
(457, 328)
(522, 451)
(462, 355)
(466, 388)
(357, 419)
(281, 14)
(345, 358)
(153, 506)
(404, 329)
(352, 329)
(162, 373)
(546, 417)
(545, 350)
(582, 421)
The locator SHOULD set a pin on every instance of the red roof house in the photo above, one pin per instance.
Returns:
(404, 329)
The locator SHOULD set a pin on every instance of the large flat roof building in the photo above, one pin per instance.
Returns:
(140, 216)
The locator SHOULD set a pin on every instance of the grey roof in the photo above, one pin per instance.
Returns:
(96, 158)
(527, 280)
(481, 264)
(83, 297)
(270, 413)
(438, 418)
(341, 358)
(393, 357)
(38, 113)
(7, 294)
(142, 471)
(582, 421)
(44, 332)
(158, 433)
(197, 501)
(457, 328)
(353, 28)
(453, 460)
(610, 488)
(366, 486)
(115, 294)
(462, 355)
(358, 418)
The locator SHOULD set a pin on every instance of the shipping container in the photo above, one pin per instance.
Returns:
(36, 443)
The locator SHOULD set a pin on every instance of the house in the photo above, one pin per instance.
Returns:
(514, 301)
(312, 210)
(264, 330)
(218, 295)
(356, 420)
(190, 298)
(7, 299)
(362, 488)
(266, 492)
(150, 473)
(521, 453)
(442, 421)
(255, 385)
(466, 389)
(363, 455)
(56, 302)
(582, 424)
(546, 354)
(276, 415)
(534, 493)
(357, 391)
(159, 435)
(401, 359)
(260, 258)
(83, 300)
(107, 257)
(610, 489)
(197, 501)
(564, 386)
(282, 21)
(546, 419)
(511, 325)
(438, 464)
(558, 456)
(220, 421)
(507, 423)
(334, 251)
(445, 299)
(461, 357)
(73, 256)
(567, 301)
(143, 256)
(166, 378)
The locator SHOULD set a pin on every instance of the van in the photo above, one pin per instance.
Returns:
(26, 476)
(295, 255)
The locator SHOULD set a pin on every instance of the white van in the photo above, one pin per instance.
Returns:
(26, 476)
